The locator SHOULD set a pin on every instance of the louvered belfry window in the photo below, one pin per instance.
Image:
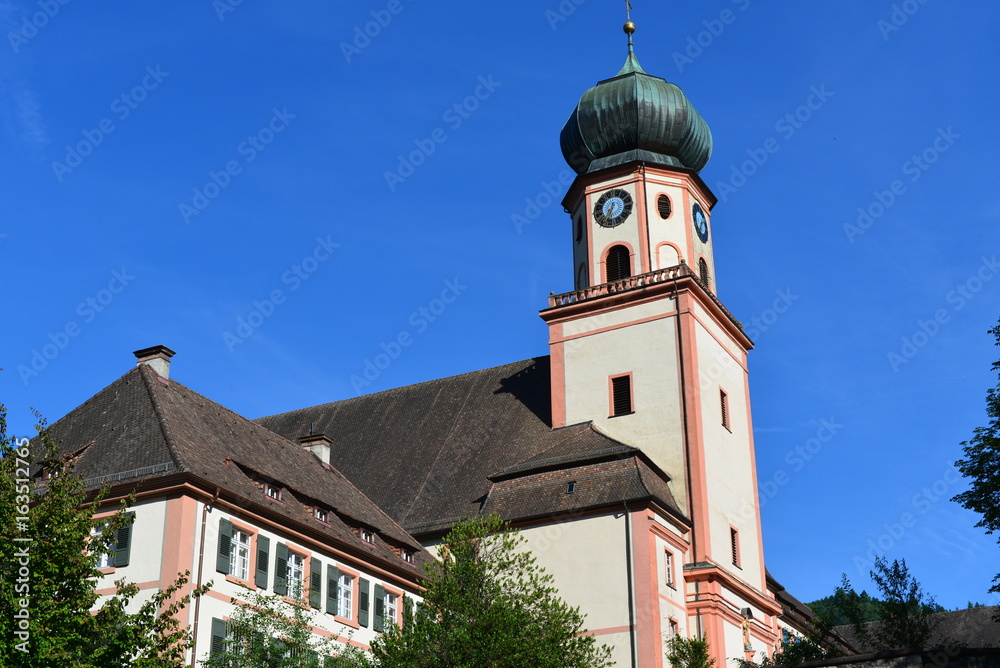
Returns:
(724, 401)
(734, 539)
(618, 264)
(703, 271)
(664, 206)
(621, 395)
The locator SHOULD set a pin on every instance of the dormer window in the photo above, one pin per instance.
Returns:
(320, 514)
(367, 536)
(272, 492)
(407, 556)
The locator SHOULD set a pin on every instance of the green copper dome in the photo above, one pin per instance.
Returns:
(635, 117)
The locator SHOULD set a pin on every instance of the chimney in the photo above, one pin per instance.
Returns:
(319, 445)
(157, 357)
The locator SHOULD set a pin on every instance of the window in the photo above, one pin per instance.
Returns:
(621, 395)
(618, 264)
(391, 608)
(668, 567)
(407, 556)
(272, 492)
(664, 206)
(105, 559)
(734, 539)
(724, 407)
(703, 272)
(239, 555)
(345, 596)
(320, 514)
(296, 574)
(367, 536)
(571, 487)
(674, 628)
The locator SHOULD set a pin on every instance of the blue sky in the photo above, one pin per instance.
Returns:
(213, 177)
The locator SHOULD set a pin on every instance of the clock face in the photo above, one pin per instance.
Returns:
(613, 208)
(700, 222)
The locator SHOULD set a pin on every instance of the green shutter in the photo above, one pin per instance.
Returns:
(263, 556)
(333, 590)
(315, 583)
(379, 624)
(225, 546)
(363, 602)
(281, 570)
(407, 609)
(123, 542)
(218, 637)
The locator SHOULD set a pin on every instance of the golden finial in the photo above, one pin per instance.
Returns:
(629, 28)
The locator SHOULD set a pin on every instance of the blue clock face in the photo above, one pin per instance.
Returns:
(700, 222)
(613, 208)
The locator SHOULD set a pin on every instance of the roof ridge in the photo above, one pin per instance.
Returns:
(161, 418)
(400, 387)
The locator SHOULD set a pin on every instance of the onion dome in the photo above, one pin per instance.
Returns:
(635, 117)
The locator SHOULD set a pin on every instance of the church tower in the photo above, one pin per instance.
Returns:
(644, 349)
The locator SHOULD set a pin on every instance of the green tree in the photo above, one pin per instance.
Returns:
(689, 653)
(817, 644)
(487, 603)
(49, 550)
(268, 631)
(981, 465)
(904, 611)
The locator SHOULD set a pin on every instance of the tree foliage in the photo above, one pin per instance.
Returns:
(817, 644)
(904, 611)
(981, 464)
(50, 613)
(689, 653)
(268, 631)
(487, 603)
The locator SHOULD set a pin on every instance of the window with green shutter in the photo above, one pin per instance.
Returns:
(315, 583)
(225, 546)
(263, 555)
(219, 632)
(332, 590)
(123, 542)
(379, 624)
(281, 570)
(363, 602)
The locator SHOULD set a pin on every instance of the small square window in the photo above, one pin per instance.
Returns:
(320, 514)
(571, 487)
(272, 492)
(367, 536)
(407, 556)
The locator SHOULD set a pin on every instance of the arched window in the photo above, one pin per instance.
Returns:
(618, 264)
(703, 271)
(664, 206)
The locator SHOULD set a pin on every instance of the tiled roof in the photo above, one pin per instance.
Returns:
(426, 453)
(143, 420)
(973, 628)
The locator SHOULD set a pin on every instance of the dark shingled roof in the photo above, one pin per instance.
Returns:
(425, 453)
(143, 420)
(973, 628)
